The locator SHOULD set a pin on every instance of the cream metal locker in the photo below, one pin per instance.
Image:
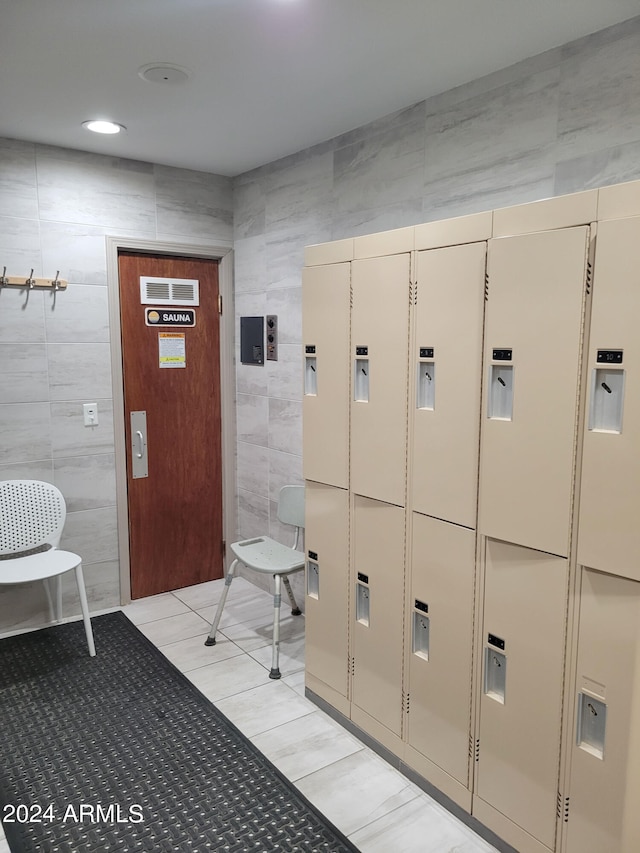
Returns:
(377, 614)
(523, 641)
(379, 352)
(609, 532)
(533, 336)
(327, 593)
(604, 791)
(439, 633)
(325, 329)
(447, 359)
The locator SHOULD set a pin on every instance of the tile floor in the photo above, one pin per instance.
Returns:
(374, 805)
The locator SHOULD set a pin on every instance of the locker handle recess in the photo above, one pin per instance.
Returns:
(495, 675)
(421, 626)
(362, 603)
(313, 578)
(592, 719)
(361, 375)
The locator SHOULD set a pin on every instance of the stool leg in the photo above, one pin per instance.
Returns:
(275, 648)
(295, 610)
(211, 639)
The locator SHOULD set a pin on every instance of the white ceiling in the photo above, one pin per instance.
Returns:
(270, 77)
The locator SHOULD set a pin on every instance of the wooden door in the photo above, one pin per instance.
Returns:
(175, 513)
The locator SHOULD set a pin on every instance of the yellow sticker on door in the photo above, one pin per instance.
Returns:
(172, 349)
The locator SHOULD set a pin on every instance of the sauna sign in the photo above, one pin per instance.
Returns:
(170, 317)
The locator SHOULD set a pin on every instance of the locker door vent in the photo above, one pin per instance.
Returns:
(169, 291)
(589, 277)
(405, 702)
(562, 809)
(486, 287)
(351, 666)
(477, 751)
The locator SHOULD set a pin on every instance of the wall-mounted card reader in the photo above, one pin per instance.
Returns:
(420, 640)
(592, 719)
(500, 405)
(495, 674)
(310, 372)
(313, 575)
(361, 375)
(607, 393)
(426, 377)
(362, 599)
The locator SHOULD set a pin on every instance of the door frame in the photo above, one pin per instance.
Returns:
(221, 251)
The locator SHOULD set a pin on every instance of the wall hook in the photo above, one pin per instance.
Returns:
(31, 280)
(3, 278)
(54, 283)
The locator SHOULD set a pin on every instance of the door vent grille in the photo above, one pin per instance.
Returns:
(169, 291)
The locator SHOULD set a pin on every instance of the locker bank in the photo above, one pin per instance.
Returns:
(454, 289)
(473, 560)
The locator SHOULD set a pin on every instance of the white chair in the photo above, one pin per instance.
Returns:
(267, 556)
(32, 516)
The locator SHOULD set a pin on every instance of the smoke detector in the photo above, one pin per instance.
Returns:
(165, 73)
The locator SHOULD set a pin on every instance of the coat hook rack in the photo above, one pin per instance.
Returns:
(31, 282)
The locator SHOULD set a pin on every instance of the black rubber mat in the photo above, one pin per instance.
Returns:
(121, 752)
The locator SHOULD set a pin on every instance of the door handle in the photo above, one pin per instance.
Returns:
(140, 437)
(139, 457)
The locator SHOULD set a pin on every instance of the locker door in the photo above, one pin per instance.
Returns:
(447, 358)
(609, 536)
(441, 637)
(533, 334)
(605, 772)
(520, 705)
(327, 593)
(378, 578)
(379, 348)
(325, 407)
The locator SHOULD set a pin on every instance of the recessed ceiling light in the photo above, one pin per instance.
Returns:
(100, 126)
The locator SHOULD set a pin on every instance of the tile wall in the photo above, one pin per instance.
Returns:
(563, 121)
(56, 206)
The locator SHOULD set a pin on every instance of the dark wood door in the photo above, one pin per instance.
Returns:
(175, 513)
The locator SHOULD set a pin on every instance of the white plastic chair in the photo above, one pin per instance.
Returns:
(32, 516)
(270, 557)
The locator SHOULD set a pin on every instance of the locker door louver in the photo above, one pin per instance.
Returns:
(169, 291)
(405, 702)
(477, 751)
(562, 808)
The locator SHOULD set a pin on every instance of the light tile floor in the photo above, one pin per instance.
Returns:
(374, 805)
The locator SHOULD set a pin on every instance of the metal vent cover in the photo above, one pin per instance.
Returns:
(169, 291)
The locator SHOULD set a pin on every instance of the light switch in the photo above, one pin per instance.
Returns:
(90, 414)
